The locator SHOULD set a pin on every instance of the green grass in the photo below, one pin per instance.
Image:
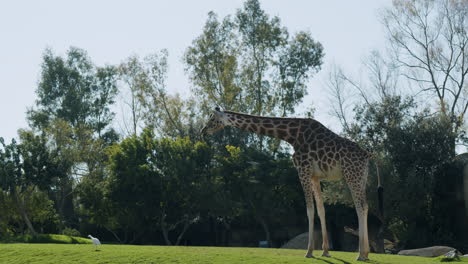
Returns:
(52, 238)
(79, 253)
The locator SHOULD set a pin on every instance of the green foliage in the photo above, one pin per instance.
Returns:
(70, 126)
(71, 232)
(71, 172)
(19, 190)
(149, 103)
(10, 170)
(7, 230)
(414, 150)
(75, 90)
(52, 239)
(157, 183)
(249, 63)
(39, 209)
(253, 182)
(42, 166)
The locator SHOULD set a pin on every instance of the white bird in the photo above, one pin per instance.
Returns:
(96, 241)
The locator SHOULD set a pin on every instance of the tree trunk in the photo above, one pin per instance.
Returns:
(68, 209)
(166, 236)
(179, 238)
(265, 229)
(165, 233)
(23, 212)
(226, 234)
(376, 242)
(380, 243)
(114, 234)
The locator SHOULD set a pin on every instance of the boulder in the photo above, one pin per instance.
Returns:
(430, 252)
(298, 242)
(302, 240)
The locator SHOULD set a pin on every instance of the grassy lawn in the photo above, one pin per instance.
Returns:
(84, 253)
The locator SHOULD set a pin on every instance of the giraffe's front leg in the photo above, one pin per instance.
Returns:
(309, 197)
(310, 216)
(321, 213)
(363, 233)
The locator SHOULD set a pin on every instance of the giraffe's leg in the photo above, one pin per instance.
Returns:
(321, 213)
(308, 193)
(363, 233)
(357, 184)
(310, 216)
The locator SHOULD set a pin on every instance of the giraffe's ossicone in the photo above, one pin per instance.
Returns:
(319, 154)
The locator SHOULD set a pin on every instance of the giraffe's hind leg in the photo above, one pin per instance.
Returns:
(321, 213)
(356, 179)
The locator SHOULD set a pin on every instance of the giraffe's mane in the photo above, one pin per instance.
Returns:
(267, 117)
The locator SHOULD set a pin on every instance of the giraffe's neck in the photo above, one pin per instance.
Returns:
(281, 128)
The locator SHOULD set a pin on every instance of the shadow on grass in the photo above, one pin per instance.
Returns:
(324, 259)
(344, 261)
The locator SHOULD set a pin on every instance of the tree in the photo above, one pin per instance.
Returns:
(258, 187)
(395, 115)
(170, 115)
(150, 103)
(429, 42)
(212, 64)
(417, 148)
(13, 178)
(413, 152)
(248, 62)
(27, 170)
(132, 74)
(73, 115)
(158, 183)
(39, 210)
(74, 90)
(231, 62)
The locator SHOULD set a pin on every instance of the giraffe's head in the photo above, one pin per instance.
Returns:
(217, 121)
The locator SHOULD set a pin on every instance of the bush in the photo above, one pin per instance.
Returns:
(52, 239)
(71, 232)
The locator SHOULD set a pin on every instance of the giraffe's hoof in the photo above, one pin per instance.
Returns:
(326, 254)
(309, 255)
(362, 258)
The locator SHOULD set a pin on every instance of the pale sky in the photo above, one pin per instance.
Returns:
(110, 31)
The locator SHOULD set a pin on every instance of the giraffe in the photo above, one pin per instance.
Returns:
(319, 154)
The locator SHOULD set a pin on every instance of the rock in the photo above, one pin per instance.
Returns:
(301, 241)
(430, 252)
